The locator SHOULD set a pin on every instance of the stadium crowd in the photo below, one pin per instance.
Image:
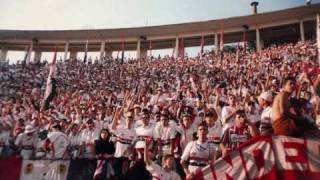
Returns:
(162, 118)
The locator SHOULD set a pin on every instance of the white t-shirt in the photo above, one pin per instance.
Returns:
(266, 124)
(125, 139)
(88, 137)
(60, 143)
(198, 154)
(225, 112)
(158, 173)
(254, 118)
(214, 132)
(165, 134)
(142, 133)
(26, 141)
(186, 134)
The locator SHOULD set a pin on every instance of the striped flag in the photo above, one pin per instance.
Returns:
(85, 52)
(51, 84)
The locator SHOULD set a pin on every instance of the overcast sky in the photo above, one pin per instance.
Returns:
(99, 14)
(106, 14)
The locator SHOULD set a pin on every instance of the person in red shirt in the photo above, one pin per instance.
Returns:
(237, 134)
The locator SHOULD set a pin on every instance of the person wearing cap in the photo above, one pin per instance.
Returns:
(146, 130)
(26, 142)
(265, 101)
(58, 142)
(198, 153)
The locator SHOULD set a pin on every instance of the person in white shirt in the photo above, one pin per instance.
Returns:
(58, 143)
(214, 127)
(88, 137)
(228, 112)
(165, 134)
(198, 153)
(164, 172)
(26, 142)
(186, 129)
(75, 141)
(126, 137)
(142, 132)
(252, 114)
(265, 102)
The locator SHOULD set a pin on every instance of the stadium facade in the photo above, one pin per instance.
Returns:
(289, 25)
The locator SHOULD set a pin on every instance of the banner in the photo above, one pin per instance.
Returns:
(44, 169)
(10, 168)
(279, 157)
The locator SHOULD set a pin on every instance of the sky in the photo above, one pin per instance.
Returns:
(107, 14)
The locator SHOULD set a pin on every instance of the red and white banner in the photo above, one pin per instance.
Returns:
(279, 157)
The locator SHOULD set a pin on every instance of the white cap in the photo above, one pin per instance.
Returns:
(266, 96)
(29, 129)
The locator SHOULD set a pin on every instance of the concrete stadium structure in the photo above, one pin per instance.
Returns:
(289, 25)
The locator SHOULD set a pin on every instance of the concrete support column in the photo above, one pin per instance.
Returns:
(143, 53)
(37, 57)
(73, 55)
(3, 54)
(29, 53)
(261, 43)
(258, 43)
(302, 37)
(108, 53)
(102, 50)
(139, 49)
(66, 49)
(318, 36)
(216, 42)
(176, 48)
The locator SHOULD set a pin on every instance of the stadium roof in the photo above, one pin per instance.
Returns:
(165, 34)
